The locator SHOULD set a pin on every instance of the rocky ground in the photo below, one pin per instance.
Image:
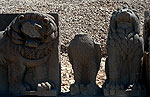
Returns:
(76, 16)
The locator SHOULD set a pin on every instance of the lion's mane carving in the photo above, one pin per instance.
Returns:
(27, 42)
(125, 51)
(33, 35)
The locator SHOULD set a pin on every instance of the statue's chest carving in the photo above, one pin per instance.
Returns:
(34, 53)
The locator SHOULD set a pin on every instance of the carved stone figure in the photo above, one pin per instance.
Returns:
(125, 51)
(29, 51)
(146, 62)
(84, 55)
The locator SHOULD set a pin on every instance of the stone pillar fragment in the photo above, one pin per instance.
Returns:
(146, 62)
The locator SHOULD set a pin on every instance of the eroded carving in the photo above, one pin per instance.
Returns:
(85, 56)
(125, 51)
(146, 67)
(29, 49)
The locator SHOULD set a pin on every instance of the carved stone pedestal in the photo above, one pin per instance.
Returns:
(43, 89)
(41, 93)
(88, 90)
(124, 93)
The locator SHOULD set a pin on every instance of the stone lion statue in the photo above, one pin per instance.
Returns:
(85, 56)
(26, 48)
(125, 51)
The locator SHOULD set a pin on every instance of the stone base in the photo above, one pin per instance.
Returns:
(75, 90)
(49, 96)
(124, 93)
(41, 93)
(80, 89)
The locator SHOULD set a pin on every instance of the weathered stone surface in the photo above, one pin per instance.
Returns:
(3, 80)
(84, 55)
(146, 62)
(75, 90)
(41, 93)
(29, 51)
(125, 51)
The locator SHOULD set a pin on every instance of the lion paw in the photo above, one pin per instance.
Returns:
(44, 86)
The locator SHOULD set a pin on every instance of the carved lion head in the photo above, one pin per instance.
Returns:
(125, 20)
(34, 34)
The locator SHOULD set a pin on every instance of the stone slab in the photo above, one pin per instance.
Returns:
(41, 93)
(124, 93)
(5, 20)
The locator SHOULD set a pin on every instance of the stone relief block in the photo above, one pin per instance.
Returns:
(146, 62)
(29, 54)
(125, 50)
(84, 55)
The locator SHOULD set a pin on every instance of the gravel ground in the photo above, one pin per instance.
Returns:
(76, 16)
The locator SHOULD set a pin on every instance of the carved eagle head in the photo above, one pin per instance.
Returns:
(34, 34)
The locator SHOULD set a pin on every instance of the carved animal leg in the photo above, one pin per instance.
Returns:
(114, 69)
(114, 63)
(135, 72)
(77, 72)
(136, 62)
(75, 88)
(92, 72)
(15, 78)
